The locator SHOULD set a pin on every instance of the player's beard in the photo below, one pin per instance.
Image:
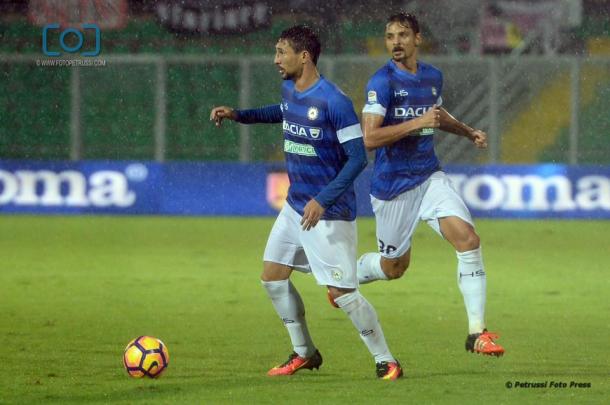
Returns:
(291, 76)
(285, 75)
(401, 59)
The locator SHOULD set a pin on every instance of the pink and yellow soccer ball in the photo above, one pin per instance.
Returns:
(145, 356)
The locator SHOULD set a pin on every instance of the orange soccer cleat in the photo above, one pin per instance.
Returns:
(483, 343)
(295, 363)
(389, 370)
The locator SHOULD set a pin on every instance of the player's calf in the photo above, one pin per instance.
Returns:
(459, 233)
(394, 268)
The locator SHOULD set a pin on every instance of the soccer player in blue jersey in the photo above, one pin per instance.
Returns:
(316, 230)
(403, 107)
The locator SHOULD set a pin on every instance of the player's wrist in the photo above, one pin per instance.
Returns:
(470, 133)
(413, 126)
(320, 200)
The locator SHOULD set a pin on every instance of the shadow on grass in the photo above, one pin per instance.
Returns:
(184, 388)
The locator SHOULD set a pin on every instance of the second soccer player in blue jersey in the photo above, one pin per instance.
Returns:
(403, 107)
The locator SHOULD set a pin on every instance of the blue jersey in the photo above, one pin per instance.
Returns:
(316, 122)
(400, 96)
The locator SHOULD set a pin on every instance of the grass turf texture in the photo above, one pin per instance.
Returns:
(75, 290)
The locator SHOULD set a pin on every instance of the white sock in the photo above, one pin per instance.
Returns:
(364, 318)
(369, 268)
(289, 306)
(472, 282)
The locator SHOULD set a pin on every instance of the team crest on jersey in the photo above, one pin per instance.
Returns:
(372, 97)
(312, 113)
(337, 274)
(434, 92)
(314, 132)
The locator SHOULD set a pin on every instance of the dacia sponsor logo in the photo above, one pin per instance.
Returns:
(410, 112)
(302, 130)
(68, 188)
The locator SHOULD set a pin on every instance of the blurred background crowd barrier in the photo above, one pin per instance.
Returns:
(152, 107)
(534, 74)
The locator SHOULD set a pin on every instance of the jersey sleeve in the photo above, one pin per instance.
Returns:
(343, 118)
(356, 162)
(377, 96)
(270, 114)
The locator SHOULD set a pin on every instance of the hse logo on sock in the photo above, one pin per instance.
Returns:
(478, 273)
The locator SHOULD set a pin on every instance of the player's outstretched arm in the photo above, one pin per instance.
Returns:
(218, 114)
(376, 136)
(271, 114)
(450, 124)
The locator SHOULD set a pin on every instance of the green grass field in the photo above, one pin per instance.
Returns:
(75, 290)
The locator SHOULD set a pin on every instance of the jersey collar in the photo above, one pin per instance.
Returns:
(404, 73)
(310, 90)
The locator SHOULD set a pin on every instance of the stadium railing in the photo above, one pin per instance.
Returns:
(156, 107)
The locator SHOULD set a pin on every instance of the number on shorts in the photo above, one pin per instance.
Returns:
(386, 249)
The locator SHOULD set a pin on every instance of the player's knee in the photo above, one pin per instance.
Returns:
(336, 292)
(266, 277)
(275, 272)
(470, 241)
(394, 269)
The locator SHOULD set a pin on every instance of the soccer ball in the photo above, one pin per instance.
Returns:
(145, 356)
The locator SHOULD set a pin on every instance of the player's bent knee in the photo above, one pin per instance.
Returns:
(336, 292)
(275, 272)
(470, 242)
(394, 273)
(394, 269)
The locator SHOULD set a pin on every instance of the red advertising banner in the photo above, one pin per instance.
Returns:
(106, 14)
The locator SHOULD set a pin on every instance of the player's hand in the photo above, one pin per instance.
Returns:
(479, 138)
(312, 213)
(220, 113)
(432, 118)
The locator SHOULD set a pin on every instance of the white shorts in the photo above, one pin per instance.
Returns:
(397, 219)
(328, 250)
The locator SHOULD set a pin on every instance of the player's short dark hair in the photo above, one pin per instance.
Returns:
(406, 19)
(303, 38)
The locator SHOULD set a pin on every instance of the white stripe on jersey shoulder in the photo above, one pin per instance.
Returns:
(377, 109)
(439, 101)
(349, 133)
